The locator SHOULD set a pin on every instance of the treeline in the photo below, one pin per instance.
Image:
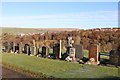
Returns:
(108, 40)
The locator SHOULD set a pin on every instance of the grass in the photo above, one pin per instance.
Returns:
(22, 30)
(57, 68)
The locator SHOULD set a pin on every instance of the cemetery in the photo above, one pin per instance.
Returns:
(72, 57)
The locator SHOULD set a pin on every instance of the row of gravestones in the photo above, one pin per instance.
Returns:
(72, 53)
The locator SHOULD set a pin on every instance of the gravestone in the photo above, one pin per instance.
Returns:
(70, 41)
(94, 53)
(56, 50)
(20, 47)
(115, 57)
(72, 53)
(7, 46)
(45, 51)
(16, 48)
(78, 51)
(34, 50)
(70, 50)
(27, 49)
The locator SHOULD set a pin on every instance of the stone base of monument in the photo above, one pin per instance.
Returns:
(31, 55)
(68, 59)
(92, 62)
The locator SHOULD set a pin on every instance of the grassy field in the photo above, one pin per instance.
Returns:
(57, 68)
(21, 30)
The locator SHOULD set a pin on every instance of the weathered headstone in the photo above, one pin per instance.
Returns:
(94, 53)
(45, 51)
(78, 51)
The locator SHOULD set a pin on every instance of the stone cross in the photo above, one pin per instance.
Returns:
(70, 41)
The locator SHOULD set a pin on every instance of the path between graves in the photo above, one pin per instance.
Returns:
(8, 73)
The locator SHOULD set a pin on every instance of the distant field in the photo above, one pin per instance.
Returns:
(57, 68)
(33, 30)
(21, 30)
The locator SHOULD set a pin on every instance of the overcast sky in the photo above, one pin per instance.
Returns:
(83, 15)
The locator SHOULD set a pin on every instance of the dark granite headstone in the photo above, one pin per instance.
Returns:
(78, 51)
(45, 51)
(56, 49)
(115, 57)
(27, 49)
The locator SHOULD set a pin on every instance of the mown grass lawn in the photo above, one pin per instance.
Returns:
(57, 68)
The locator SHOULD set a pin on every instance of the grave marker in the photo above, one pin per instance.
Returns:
(45, 51)
(78, 51)
(27, 49)
(94, 53)
(115, 57)
(56, 50)
(20, 47)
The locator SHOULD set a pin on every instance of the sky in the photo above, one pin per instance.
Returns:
(82, 15)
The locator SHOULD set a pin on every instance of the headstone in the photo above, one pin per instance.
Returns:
(115, 57)
(16, 48)
(72, 53)
(34, 50)
(20, 47)
(27, 49)
(45, 51)
(94, 53)
(56, 50)
(78, 51)
(7, 47)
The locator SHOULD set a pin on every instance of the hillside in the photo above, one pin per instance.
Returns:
(33, 30)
